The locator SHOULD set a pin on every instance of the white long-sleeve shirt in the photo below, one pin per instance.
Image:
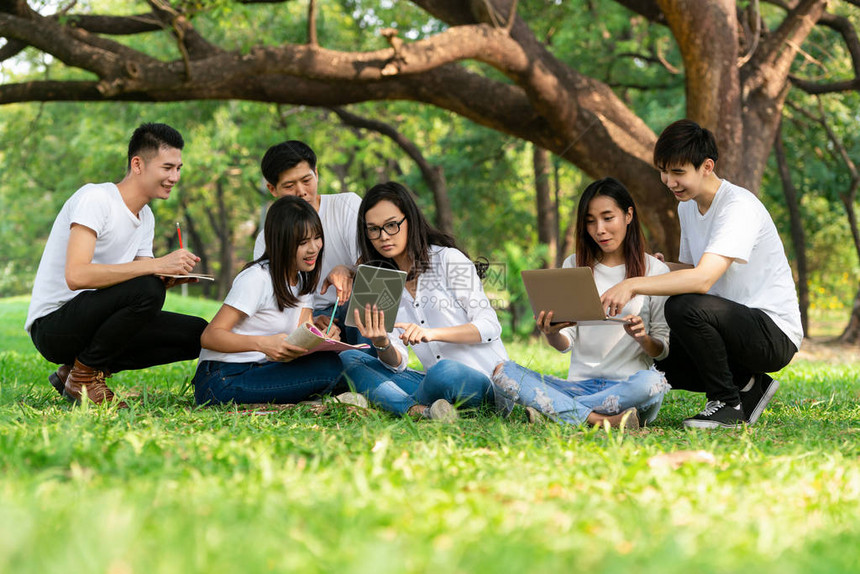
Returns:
(449, 294)
(606, 351)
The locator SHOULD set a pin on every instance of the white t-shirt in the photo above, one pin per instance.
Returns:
(606, 351)
(737, 225)
(253, 295)
(339, 216)
(449, 294)
(120, 237)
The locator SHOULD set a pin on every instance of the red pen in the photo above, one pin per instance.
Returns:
(179, 233)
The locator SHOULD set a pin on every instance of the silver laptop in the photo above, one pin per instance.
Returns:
(376, 286)
(570, 293)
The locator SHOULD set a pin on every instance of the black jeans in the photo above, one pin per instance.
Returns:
(118, 328)
(716, 345)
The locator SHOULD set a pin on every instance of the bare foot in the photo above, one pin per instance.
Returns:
(629, 419)
(418, 411)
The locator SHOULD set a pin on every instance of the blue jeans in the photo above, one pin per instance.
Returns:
(350, 335)
(270, 382)
(572, 401)
(397, 392)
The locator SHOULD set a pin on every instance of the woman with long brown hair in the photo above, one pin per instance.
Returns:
(611, 376)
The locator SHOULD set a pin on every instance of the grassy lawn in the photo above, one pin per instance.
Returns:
(168, 487)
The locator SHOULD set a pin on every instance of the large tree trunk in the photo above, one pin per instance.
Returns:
(851, 334)
(798, 236)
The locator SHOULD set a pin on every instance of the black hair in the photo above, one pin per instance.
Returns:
(684, 141)
(289, 221)
(588, 252)
(420, 234)
(286, 155)
(149, 138)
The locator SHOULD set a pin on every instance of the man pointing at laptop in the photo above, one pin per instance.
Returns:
(733, 313)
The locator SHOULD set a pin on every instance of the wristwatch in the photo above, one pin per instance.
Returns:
(382, 349)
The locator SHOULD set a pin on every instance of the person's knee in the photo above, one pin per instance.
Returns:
(500, 368)
(148, 291)
(686, 309)
(675, 307)
(443, 374)
(649, 383)
(196, 326)
(446, 368)
(354, 358)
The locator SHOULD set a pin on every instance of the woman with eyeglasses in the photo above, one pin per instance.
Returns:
(611, 378)
(444, 316)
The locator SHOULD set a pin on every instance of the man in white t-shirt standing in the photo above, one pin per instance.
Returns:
(97, 297)
(290, 168)
(733, 311)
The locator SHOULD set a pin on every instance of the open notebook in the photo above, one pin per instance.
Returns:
(307, 336)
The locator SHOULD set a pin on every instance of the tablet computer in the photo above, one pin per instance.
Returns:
(570, 293)
(378, 286)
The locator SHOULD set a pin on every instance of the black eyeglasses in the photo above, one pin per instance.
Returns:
(390, 228)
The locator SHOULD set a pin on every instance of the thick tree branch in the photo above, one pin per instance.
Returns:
(191, 45)
(76, 48)
(112, 25)
(848, 32)
(778, 50)
(11, 49)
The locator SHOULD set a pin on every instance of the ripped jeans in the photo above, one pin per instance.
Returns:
(572, 401)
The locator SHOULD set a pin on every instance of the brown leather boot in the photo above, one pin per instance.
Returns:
(84, 381)
(58, 379)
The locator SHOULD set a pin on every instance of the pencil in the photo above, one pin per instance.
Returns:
(332, 317)
(179, 233)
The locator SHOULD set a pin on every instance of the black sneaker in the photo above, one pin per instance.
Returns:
(755, 400)
(717, 414)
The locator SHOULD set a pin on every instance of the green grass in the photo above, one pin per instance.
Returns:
(168, 487)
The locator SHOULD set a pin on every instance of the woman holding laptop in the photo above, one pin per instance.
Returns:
(611, 376)
(443, 315)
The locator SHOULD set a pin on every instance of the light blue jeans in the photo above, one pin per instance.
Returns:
(397, 392)
(572, 401)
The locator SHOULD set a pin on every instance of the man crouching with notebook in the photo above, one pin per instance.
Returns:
(97, 297)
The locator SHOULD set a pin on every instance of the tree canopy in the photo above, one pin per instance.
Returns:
(505, 65)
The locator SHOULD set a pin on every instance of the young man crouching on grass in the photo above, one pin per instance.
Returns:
(733, 313)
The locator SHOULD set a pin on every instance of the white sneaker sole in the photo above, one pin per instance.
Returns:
(763, 402)
(701, 424)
